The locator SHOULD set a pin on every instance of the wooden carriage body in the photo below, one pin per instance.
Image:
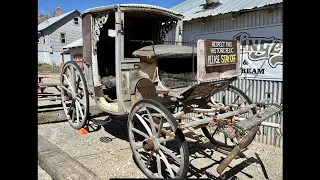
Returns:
(123, 44)
(130, 69)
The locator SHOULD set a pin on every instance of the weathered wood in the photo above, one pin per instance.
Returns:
(59, 165)
(257, 119)
(165, 51)
(48, 94)
(147, 90)
(59, 116)
(87, 38)
(50, 84)
(196, 123)
(48, 98)
(243, 110)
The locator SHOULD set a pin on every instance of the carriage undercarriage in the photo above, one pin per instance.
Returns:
(160, 116)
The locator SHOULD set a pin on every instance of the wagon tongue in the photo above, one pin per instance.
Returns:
(257, 119)
(245, 125)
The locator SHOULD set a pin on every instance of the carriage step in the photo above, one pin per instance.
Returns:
(258, 118)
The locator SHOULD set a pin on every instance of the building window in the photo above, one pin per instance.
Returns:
(38, 40)
(76, 21)
(63, 38)
(44, 40)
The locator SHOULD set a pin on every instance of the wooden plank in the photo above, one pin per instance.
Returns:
(87, 39)
(60, 165)
(59, 116)
(48, 98)
(257, 119)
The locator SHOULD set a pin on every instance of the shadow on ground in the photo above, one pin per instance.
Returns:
(117, 126)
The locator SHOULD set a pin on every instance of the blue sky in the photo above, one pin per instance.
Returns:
(81, 5)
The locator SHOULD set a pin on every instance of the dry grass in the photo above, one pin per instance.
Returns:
(47, 68)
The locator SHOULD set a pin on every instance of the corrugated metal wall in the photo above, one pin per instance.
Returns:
(255, 89)
(225, 22)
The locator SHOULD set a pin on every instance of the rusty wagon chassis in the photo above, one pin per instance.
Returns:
(159, 113)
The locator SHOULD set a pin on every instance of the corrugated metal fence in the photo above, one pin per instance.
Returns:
(256, 90)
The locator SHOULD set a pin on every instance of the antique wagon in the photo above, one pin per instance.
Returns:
(130, 70)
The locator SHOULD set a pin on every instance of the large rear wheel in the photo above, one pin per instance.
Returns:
(231, 95)
(74, 94)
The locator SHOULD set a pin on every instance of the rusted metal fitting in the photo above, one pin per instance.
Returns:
(148, 145)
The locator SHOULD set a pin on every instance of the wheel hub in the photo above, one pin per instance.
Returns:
(150, 145)
(68, 95)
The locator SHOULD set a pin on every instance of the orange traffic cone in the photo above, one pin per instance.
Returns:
(82, 131)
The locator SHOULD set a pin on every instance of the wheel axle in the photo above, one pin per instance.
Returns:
(148, 145)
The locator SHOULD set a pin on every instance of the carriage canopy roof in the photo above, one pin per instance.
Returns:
(136, 7)
(165, 51)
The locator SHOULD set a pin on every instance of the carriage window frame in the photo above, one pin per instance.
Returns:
(76, 21)
(63, 38)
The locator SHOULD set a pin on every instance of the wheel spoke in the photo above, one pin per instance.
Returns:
(73, 78)
(79, 100)
(144, 124)
(140, 133)
(77, 113)
(73, 113)
(137, 146)
(153, 128)
(68, 82)
(149, 159)
(170, 153)
(166, 139)
(160, 127)
(164, 159)
(159, 166)
(68, 90)
(77, 84)
(80, 109)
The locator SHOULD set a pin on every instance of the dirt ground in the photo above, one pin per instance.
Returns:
(114, 159)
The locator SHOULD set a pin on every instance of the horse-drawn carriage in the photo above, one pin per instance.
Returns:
(130, 70)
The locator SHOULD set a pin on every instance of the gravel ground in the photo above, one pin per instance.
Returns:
(114, 159)
(43, 175)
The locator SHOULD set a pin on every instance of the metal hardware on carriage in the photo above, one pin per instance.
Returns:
(250, 125)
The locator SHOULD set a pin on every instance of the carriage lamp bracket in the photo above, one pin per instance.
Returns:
(120, 30)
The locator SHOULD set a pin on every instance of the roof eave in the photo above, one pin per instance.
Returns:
(59, 20)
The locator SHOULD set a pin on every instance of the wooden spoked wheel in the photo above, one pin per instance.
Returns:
(234, 96)
(74, 94)
(156, 150)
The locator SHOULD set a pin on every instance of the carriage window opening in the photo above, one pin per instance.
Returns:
(76, 21)
(63, 38)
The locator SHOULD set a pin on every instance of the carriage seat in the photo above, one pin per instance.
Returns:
(147, 90)
(109, 81)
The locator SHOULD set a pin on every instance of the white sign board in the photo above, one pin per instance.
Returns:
(261, 50)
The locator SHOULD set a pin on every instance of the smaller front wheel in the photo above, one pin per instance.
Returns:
(156, 149)
(74, 95)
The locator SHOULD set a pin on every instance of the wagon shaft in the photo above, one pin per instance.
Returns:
(236, 150)
(257, 119)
